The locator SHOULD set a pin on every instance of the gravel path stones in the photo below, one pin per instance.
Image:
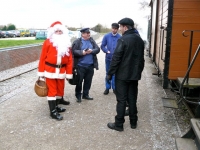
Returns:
(25, 123)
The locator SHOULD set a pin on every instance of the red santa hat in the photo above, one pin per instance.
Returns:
(56, 26)
(55, 23)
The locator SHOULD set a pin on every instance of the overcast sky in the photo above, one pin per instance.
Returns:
(73, 13)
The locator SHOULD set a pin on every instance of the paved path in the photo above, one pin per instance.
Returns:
(25, 123)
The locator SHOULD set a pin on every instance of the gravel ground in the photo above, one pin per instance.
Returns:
(25, 123)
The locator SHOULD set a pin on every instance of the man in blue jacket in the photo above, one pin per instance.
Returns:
(108, 47)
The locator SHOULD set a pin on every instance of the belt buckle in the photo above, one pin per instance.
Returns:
(60, 66)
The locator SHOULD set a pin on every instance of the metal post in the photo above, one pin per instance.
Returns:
(189, 57)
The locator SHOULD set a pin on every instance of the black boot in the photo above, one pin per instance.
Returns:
(62, 101)
(133, 122)
(59, 109)
(53, 112)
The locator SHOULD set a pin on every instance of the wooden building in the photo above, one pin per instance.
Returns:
(168, 48)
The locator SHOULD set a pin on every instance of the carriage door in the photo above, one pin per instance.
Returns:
(161, 47)
(153, 28)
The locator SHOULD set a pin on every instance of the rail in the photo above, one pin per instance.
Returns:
(19, 47)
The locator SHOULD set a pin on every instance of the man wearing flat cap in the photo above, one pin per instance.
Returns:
(85, 60)
(108, 46)
(128, 21)
(127, 64)
(85, 30)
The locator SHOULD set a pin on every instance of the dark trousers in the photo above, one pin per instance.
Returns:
(126, 92)
(109, 83)
(85, 77)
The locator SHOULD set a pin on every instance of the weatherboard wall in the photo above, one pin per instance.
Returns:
(186, 16)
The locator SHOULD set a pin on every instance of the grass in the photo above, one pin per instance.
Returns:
(10, 43)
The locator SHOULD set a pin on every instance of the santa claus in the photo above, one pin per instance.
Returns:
(55, 65)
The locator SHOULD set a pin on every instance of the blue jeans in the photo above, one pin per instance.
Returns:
(110, 83)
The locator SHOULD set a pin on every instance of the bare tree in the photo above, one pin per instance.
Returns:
(144, 4)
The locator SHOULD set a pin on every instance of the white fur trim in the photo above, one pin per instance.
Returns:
(40, 74)
(56, 75)
(58, 60)
(51, 98)
(69, 76)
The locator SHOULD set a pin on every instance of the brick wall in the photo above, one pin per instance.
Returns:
(16, 57)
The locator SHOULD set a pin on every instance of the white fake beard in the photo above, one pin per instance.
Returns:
(62, 43)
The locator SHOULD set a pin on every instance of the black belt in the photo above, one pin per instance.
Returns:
(55, 66)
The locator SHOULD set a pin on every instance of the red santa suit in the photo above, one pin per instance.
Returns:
(55, 62)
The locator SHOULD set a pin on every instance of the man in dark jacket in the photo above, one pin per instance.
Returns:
(127, 64)
(85, 60)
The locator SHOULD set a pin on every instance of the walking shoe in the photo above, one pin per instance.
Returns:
(78, 99)
(134, 125)
(112, 126)
(106, 92)
(87, 97)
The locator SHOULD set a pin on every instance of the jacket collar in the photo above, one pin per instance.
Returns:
(130, 31)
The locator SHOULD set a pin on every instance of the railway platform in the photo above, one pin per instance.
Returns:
(25, 123)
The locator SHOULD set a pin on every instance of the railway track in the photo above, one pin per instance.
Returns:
(14, 81)
(16, 84)
(19, 47)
